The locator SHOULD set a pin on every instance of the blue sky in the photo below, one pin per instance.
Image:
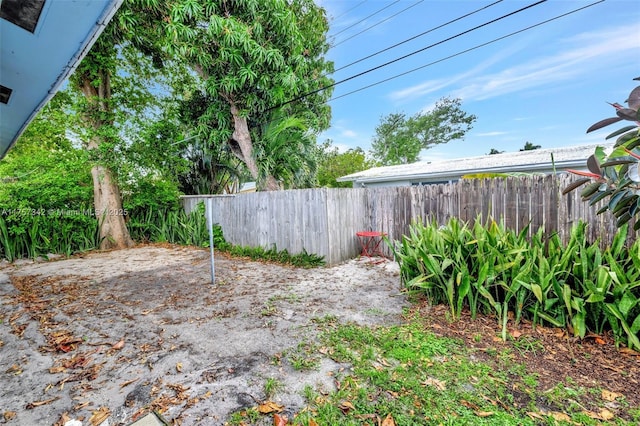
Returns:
(546, 85)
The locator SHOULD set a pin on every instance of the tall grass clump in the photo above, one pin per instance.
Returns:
(174, 226)
(29, 233)
(489, 269)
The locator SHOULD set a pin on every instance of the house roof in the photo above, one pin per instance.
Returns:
(41, 44)
(538, 160)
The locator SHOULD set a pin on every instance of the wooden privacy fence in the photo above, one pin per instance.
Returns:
(324, 221)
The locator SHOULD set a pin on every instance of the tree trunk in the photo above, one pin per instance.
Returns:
(106, 195)
(108, 210)
(242, 136)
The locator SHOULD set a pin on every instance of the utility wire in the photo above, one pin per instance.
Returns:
(349, 10)
(360, 74)
(465, 51)
(416, 36)
(365, 18)
(378, 23)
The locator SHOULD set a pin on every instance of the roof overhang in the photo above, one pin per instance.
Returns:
(41, 44)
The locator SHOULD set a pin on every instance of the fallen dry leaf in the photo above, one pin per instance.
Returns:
(534, 415)
(629, 352)
(606, 414)
(14, 369)
(64, 418)
(346, 406)
(312, 422)
(33, 405)
(179, 367)
(128, 382)
(81, 405)
(10, 415)
(119, 345)
(99, 416)
(561, 417)
(279, 420)
(515, 334)
(438, 384)
(470, 405)
(484, 413)
(388, 421)
(269, 407)
(610, 396)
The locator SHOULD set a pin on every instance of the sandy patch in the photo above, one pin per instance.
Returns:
(132, 330)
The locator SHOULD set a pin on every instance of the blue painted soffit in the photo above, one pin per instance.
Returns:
(34, 65)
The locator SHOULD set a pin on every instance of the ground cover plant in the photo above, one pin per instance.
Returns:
(492, 270)
(432, 370)
(29, 233)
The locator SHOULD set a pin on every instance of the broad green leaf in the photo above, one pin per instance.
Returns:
(627, 303)
(537, 291)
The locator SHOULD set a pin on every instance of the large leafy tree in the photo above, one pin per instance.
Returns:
(111, 98)
(334, 164)
(253, 56)
(399, 139)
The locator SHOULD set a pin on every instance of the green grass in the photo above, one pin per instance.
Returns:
(271, 387)
(418, 378)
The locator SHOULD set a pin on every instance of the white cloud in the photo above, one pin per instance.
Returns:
(587, 53)
(490, 134)
(581, 54)
(347, 133)
(430, 86)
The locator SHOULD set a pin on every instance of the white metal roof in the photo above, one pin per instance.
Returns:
(538, 160)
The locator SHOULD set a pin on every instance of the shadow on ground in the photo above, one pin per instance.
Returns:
(116, 334)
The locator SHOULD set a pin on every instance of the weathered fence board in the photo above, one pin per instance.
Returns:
(324, 221)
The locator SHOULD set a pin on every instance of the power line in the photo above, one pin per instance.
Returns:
(349, 10)
(465, 51)
(365, 18)
(377, 23)
(360, 74)
(417, 36)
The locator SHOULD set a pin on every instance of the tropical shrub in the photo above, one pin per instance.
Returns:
(616, 176)
(493, 270)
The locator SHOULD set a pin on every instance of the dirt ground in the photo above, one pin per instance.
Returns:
(112, 335)
(593, 365)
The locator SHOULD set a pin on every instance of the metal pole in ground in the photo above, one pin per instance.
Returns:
(209, 212)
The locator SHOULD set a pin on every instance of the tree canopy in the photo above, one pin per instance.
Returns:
(528, 146)
(399, 139)
(253, 56)
(334, 164)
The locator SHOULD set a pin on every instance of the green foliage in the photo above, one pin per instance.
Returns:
(334, 164)
(174, 226)
(493, 270)
(528, 146)
(399, 139)
(46, 190)
(253, 56)
(286, 149)
(616, 177)
(303, 260)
